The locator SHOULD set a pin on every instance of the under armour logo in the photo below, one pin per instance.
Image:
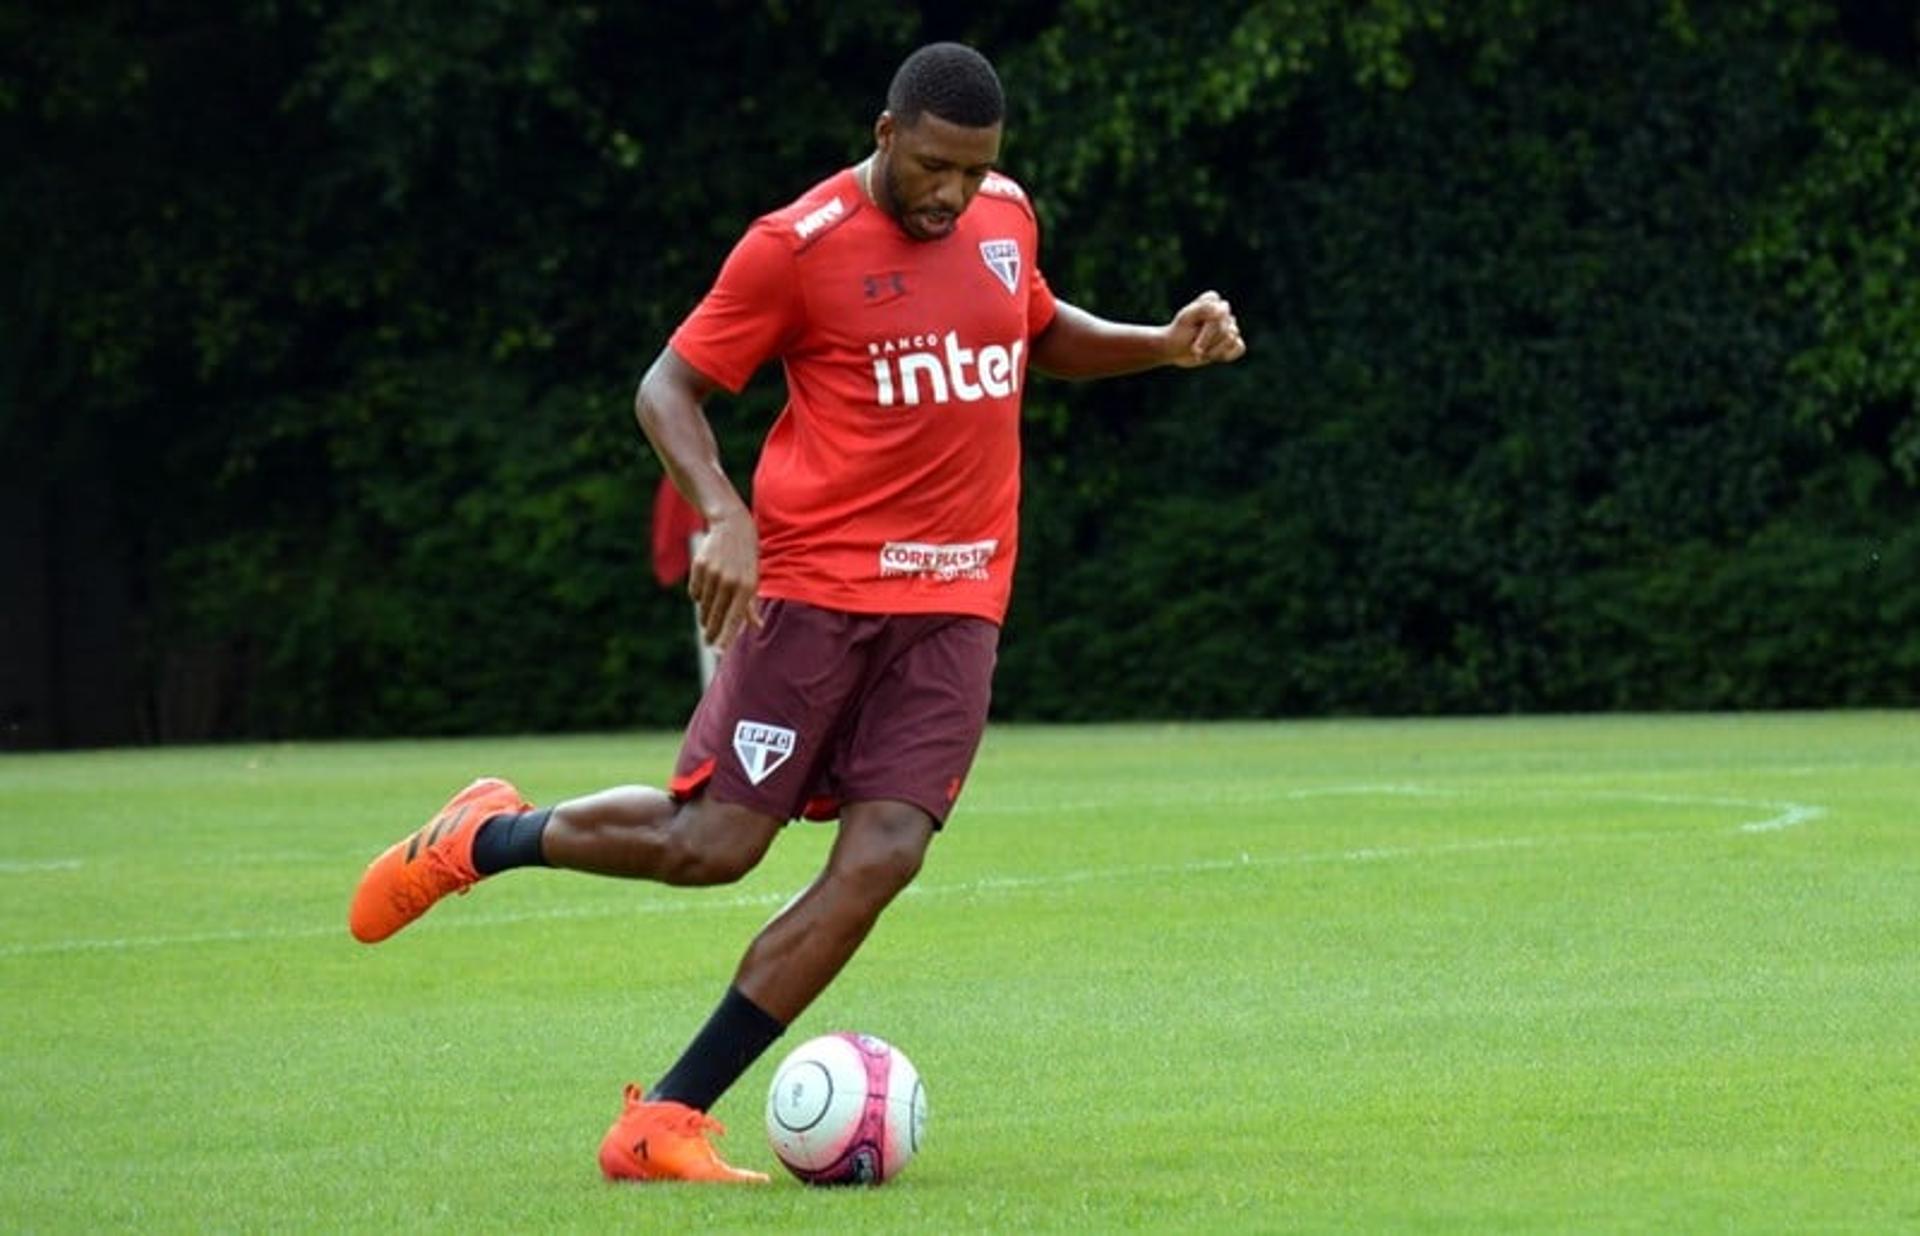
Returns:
(883, 287)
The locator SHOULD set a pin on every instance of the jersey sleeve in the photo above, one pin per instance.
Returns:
(1040, 304)
(748, 317)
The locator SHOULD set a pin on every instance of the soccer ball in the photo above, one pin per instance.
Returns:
(846, 1109)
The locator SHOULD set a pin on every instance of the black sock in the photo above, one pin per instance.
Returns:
(733, 1038)
(507, 841)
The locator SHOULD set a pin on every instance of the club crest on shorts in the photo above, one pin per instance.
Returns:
(762, 748)
(1003, 259)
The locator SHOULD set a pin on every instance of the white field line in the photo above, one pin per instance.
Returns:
(1212, 798)
(28, 866)
(1784, 815)
(1780, 815)
(988, 884)
(1795, 813)
(112, 944)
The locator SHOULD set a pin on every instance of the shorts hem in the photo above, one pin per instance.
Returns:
(920, 802)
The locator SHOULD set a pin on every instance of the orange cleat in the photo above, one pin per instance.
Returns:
(403, 883)
(666, 1141)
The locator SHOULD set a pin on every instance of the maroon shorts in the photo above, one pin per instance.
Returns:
(819, 707)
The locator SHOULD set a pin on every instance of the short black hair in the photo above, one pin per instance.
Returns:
(951, 80)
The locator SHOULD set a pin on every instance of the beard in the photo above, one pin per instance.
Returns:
(923, 223)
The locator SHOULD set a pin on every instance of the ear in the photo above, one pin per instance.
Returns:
(883, 130)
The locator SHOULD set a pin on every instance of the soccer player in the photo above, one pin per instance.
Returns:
(859, 600)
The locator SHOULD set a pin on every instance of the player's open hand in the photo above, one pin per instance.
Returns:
(1205, 333)
(725, 577)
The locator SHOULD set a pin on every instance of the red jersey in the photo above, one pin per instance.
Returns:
(891, 481)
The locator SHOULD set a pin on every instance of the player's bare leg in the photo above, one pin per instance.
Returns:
(634, 832)
(876, 854)
(641, 833)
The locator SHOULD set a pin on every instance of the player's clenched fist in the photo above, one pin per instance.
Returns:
(1205, 332)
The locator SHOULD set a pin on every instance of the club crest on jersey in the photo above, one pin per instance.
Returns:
(761, 748)
(1003, 259)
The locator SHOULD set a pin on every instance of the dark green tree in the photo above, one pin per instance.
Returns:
(1586, 351)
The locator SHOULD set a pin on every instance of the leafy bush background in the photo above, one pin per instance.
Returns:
(1586, 352)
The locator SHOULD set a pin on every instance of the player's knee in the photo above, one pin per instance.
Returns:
(706, 867)
(880, 866)
(711, 843)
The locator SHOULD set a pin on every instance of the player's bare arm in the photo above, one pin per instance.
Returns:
(726, 571)
(1079, 344)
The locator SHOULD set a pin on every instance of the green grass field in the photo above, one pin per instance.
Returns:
(1654, 974)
